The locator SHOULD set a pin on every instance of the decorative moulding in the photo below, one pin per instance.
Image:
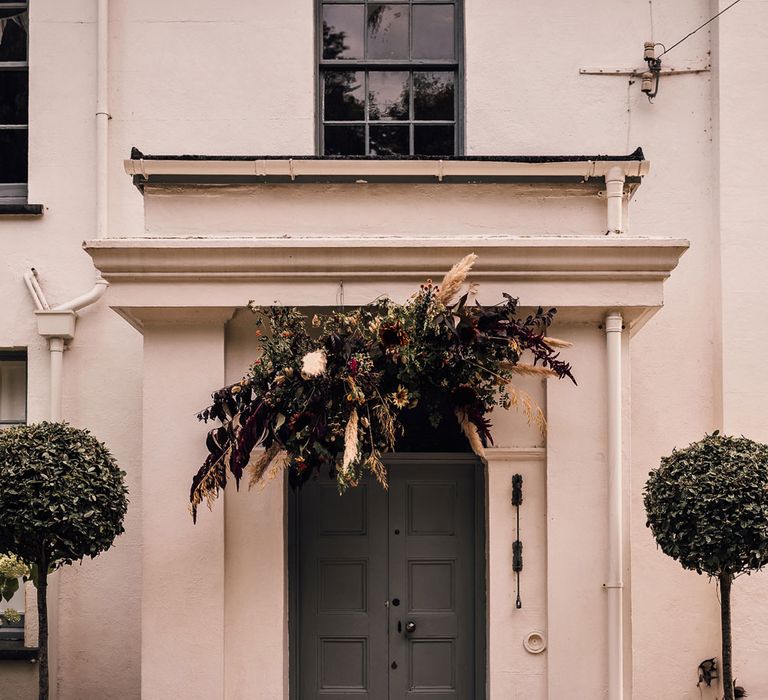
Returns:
(515, 454)
(509, 258)
(157, 278)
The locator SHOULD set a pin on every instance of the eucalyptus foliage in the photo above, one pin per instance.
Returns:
(62, 498)
(707, 506)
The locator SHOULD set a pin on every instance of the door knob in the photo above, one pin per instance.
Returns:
(410, 627)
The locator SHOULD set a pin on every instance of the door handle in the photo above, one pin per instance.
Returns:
(410, 627)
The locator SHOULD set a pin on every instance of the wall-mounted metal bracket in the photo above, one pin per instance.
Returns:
(517, 545)
(638, 72)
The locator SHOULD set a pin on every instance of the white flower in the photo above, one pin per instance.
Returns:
(313, 364)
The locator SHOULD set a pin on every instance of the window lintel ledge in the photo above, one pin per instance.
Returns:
(30, 210)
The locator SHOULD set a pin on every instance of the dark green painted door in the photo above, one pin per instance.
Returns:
(386, 585)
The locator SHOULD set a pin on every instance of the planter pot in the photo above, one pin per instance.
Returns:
(5, 623)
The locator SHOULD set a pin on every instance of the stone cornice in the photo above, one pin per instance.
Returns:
(156, 280)
(504, 258)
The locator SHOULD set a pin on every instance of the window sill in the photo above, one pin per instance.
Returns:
(31, 210)
(16, 651)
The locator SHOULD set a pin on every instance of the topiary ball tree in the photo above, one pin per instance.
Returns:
(62, 498)
(707, 506)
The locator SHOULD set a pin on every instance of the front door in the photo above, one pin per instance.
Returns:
(388, 585)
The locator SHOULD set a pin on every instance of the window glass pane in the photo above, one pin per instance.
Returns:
(388, 95)
(433, 94)
(13, 38)
(13, 390)
(435, 140)
(388, 31)
(389, 140)
(13, 96)
(344, 96)
(433, 35)
(13, 155)
(344, 140)
(343, 31)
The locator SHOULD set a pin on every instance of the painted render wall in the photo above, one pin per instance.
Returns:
(190, 77)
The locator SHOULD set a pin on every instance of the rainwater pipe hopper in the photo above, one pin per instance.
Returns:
(57, 326)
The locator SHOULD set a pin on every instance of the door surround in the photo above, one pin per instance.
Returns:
(481, 567)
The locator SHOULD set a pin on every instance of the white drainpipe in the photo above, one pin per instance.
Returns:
(102, 117)
(614, 193)
(58, 326)
(614, 584)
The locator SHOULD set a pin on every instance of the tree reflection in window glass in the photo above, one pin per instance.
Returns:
(389, 140)
(343, 31)
(388, 95)
(433, 95)
(344, 96)
(388, 31)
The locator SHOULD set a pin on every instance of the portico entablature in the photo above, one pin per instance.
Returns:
(154, 279)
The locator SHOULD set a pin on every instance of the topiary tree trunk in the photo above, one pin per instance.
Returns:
(42, 621)
(725, 622)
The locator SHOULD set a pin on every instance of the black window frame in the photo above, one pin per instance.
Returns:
(364, 65)
(17, 355)
(12, 193)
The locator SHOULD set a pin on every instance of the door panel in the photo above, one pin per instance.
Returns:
(371, 561)
(432, 572)
(342, 592)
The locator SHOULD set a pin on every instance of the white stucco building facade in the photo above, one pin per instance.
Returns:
(659, 288)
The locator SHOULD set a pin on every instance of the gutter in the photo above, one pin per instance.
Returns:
(312, 169)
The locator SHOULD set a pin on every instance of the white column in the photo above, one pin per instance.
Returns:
(256, 616)
(577, 650)
(182, 626)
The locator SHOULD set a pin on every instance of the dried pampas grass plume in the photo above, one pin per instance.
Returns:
(258, 467)
(470, 430)
(556, 342)
(313, 364)
(523, 401)
(451, 284)
(350, 442)
(531, 370)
